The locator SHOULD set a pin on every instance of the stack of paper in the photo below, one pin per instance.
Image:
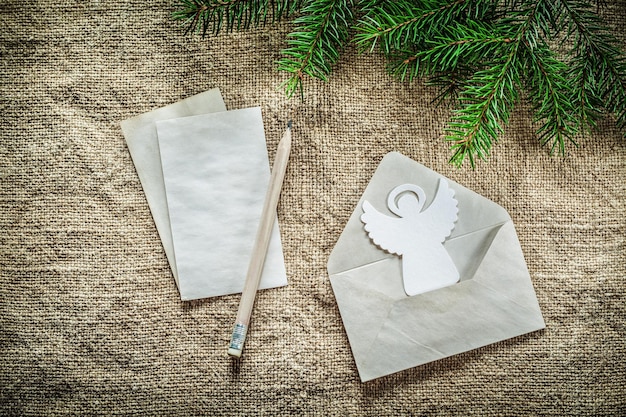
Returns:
(205, 172)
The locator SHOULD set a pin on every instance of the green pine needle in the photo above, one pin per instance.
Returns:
(314, 47)
(485, 103)
(484, 56)
(204, 16)
(598, 66)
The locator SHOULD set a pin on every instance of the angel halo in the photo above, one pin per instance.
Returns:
(416, 235)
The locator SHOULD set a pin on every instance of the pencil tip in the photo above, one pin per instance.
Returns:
(289, 124)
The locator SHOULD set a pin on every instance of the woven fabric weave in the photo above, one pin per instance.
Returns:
(90, 318)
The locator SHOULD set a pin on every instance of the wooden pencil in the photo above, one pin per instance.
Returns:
(260, 245)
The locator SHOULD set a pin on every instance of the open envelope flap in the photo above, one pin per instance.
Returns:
(354, 249)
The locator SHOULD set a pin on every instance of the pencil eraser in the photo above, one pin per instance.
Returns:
(234, 352)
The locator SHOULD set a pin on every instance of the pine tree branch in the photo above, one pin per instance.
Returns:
(451, 83)
(548, 86)
(321, 32)
(599, 66)
(464, 45)
(202, 16)
(485, 104)
(392, 19)
(468, 44)
(395, 24)
(402, 39)
(479, 52)
(584, 96)
(488, 100)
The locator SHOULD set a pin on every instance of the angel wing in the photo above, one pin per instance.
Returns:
(442, 212)
(390, 233)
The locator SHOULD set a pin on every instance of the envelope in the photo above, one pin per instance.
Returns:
(141, 137)
(388, 330)
(216, 173)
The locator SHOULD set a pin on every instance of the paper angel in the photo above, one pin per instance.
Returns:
(416, 236)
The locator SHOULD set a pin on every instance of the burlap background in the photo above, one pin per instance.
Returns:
(91, 322)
